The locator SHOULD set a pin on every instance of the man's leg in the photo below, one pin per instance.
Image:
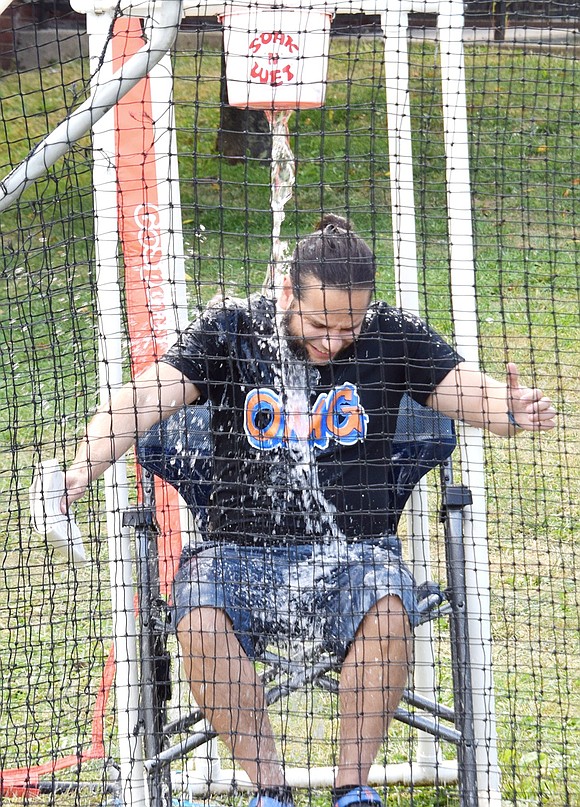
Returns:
(225, 685)
(372, 680)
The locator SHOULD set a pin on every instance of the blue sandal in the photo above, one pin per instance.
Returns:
(360, 795)
(261, 800)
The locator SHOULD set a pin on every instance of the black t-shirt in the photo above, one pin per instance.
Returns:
(301, 452)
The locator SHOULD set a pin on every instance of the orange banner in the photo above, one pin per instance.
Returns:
(140, 231)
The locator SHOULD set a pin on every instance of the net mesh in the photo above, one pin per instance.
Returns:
(58, 718)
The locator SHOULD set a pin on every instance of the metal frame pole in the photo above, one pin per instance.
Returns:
(155, 662)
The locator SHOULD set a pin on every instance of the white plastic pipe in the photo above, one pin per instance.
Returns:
(169, 199)
(462, 269)
(394, 23)
(111, 363)
(395, 27)
(402, 773)
(165, 18)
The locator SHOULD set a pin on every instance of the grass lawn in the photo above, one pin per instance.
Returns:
(524, 115)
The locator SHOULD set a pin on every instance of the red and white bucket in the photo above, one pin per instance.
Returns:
(276, 58)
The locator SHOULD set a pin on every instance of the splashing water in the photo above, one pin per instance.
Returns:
(295, 374)
(297, 378)
(281, 190)
(304, 581)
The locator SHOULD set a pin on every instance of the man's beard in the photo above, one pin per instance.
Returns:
(296, 345)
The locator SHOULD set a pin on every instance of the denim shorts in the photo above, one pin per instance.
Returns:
(308, 592)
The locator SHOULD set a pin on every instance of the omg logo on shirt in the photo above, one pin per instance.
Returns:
(336, 415)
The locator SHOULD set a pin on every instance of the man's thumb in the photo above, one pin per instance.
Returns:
(513, 376)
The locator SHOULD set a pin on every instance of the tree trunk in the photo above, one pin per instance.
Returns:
(243, 133)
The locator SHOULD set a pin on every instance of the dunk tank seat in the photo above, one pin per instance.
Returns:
(179, 451)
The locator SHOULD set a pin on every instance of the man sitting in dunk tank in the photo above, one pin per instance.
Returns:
(304, 393)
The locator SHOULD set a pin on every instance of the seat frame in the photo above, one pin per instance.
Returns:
(179, 451)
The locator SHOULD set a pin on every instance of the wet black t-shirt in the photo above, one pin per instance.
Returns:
(301, 451)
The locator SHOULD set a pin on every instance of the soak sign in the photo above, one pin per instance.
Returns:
(276, 58)
(272, 54)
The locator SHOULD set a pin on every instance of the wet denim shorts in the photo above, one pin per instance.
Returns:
(307, 592)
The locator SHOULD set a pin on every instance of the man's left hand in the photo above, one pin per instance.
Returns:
(531, 409)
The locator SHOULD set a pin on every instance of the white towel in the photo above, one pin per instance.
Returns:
(60, 531)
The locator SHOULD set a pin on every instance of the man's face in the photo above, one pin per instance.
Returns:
(326, 320)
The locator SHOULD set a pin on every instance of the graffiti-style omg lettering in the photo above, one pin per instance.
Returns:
(336, 415)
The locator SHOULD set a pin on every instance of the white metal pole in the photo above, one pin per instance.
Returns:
(395, 30)
(110, 376)
(462, 267)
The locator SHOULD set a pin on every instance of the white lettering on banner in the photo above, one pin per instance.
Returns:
(148, 221)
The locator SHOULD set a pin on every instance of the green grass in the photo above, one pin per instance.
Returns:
(525, 151)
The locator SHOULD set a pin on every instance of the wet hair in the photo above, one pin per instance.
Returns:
(335, 256)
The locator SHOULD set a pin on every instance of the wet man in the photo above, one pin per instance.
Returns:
(304, 395)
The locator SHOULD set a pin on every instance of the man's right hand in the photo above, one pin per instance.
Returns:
(133, 409)
(76, 483)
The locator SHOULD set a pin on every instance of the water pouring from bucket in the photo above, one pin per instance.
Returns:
(276, 60)
(281, 189)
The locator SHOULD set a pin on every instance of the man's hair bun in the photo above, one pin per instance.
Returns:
(335, 256)
(330, 222)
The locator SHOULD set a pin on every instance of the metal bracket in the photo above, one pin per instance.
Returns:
(136, 517)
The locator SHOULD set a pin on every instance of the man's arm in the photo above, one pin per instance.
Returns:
(131, 411)
(482, 401)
